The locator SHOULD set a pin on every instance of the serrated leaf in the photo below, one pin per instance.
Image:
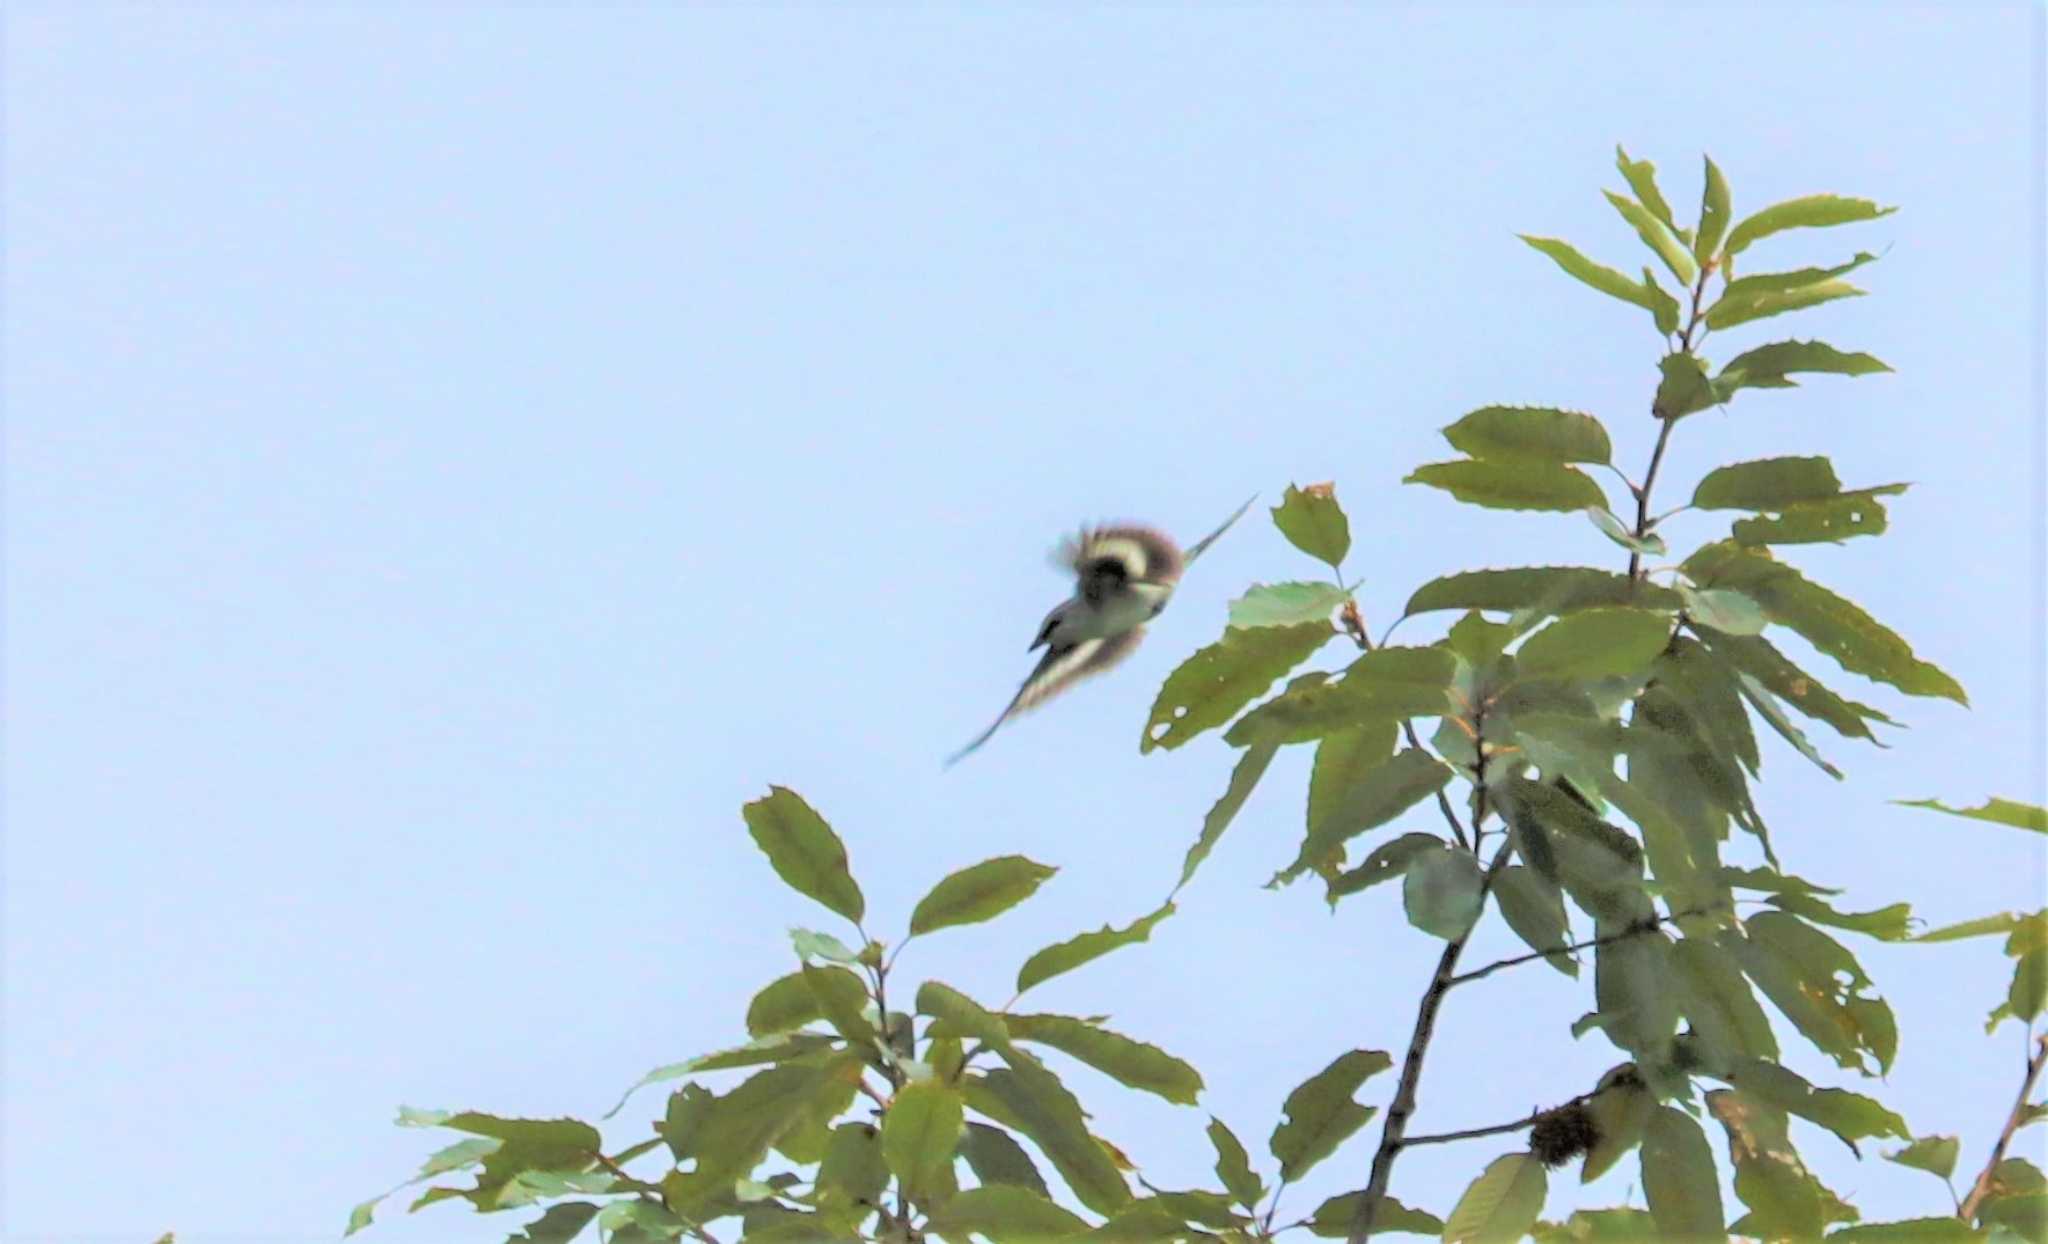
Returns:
(1656, 236)
(978, 892)
(1376, 797)
(1210, 687)
(1599, 276)
(804, 851)
(920, 1132)
(1850, 1116)
(1801, 971)
(1761, 661)
(962, 1014)
(1501, 1205)
(1534, 908)
(1714, 213)
(1333, 1218)
(1854, 639)
(1616, 530)
(1934, 1154)
(1815, 211)
(1772, 366)
(1857, 513)
(1889, 924)
(1594, 643)
(1321, 1113)
(1766, 484)
(1006, 1214)
(1244, 776)
(1683, 388)
(1286, 604)
(791, 1001)
(1530, 434)
(1512, 486)
(1543, 589)
(1313, 522)
(1679, 1179)
(1641, 176)
(1233, 1166)
(1086, 948)
(1384, 863)
(995, 1157)
(1133, 1064)
(1040, 1106)
(1995, 810)
(1383, 684)
(1442, 892)
(1734, 309)
(1778, 282)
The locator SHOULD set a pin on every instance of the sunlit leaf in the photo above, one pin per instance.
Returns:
(1233, 1166)
(1384, 683)
(1656, 236)
(1683, 388)
(804, 851)
(1947, 1230)
(1933, 1154)
(1641, 176)
(1857, 513)
(1286, 604)
(978, 892)
(1501, 1205)
(1599, 276)
(1616, 530)
(1528, 485)
(1811, 212)
(1545, 589)
(1321, 1113)
(1313, 522)
(1766, 484)
(1210, 687)
(1086, 947)
(1714, 212)
(1530, 434)
(1995, 810)
(1757, 304)
(1774, 365)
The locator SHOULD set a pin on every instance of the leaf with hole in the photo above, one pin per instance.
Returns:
(1210, 687)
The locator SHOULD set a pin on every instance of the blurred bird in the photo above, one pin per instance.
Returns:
(1124, 576)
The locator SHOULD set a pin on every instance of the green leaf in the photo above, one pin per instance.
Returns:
(962, 1014)
(811, 944)
(1815, 211)
(1512, 485)
(1244, 776)
(1313, 522)
(1598, 1226)
(1785, 1201)
(1834, 625)
(1713, 214)
(1723, 609)
(1209, 687)
(1534, 909)
(1605, 279)
(1850, 1116)
(1332, 1219)
(1501, 1205)
(560, 1224)
(1679, 1179)
(1683, 388)
(804, 851)
(1040, 1106)
(995, 1157)
(1756, 657)
(1131, 1063)
(1733, 309)
(1772, 366)
(1663, 307)
(1376, 797)
(1911, 1231)
(1766, 484)
(1719, 1004)
(1544, 589)
(733, 1133)
(842, 1007)
(1995, 810)
(1656, 236)
(1633, 991)
(1857, 513)
(1384, 683)
(1385, 862)
(1006, 1214)
(1321, 1113)
(1616, 530)
(1982, 926)
(1530, 434)
(1442, 892)
(1802, 970)
(1086, 948)
(1234, 1168)
(1343, 759)
(978, 892)
(1888, 924)
(1641, 176)
(2024, 1215)
(1594, 643)
(1778, 282)
(1286, 604)
(920, 1132)
(1934, 1154)
(790, 1002)
(2029, 986)
(853, 1172)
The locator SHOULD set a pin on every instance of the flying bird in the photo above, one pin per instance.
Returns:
(1124, 575)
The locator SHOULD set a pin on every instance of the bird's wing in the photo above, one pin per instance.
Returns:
(1105, 559)
(1203, 543)
(1059, 669)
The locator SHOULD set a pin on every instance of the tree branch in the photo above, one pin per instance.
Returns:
(1634, 930)
(1981, 1190)
(1498, 1129)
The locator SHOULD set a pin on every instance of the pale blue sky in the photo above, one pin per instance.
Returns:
(456, 456)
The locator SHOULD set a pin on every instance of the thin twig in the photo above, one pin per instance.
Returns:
(1981, 1190)
(1498, 1129)
(1634, 930)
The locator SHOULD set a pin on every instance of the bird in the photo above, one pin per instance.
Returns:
(1124, 573)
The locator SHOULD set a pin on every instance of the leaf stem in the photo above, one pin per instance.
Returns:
(1981, 1190)
(1354, 626)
